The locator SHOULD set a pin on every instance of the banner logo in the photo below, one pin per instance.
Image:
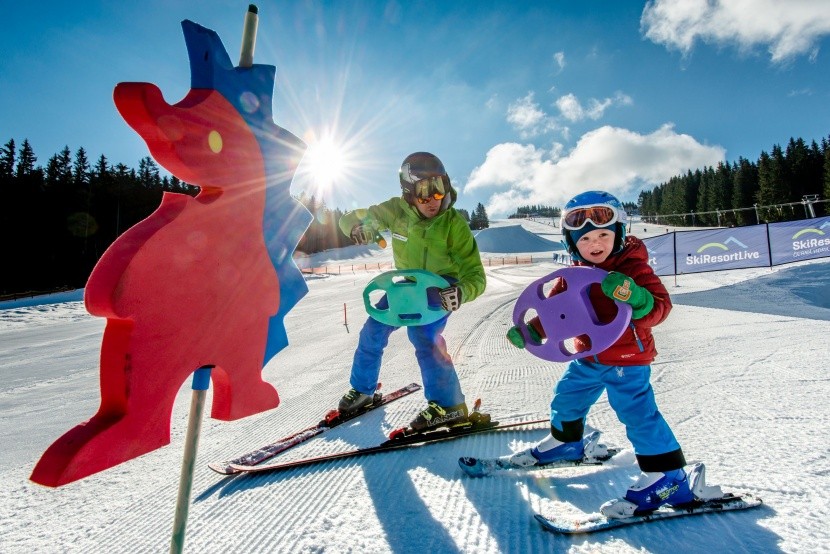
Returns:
(809, 243)
(743, 254)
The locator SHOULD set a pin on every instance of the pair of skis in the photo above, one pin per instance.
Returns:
(330, 421)
(400, 438)
(475, 467)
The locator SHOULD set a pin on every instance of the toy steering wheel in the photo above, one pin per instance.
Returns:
(569, 314)
(406, 295)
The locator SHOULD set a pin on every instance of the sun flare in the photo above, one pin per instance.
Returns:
(325, 163)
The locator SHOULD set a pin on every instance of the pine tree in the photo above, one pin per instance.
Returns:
(744, 190)
(771, 183)
(479, 218)
(720, 193)
(80, 169)
(7, 156)
(25, 160)
(59, 170)
(148, 173)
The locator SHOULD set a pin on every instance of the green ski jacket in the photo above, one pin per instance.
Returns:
(443, 245)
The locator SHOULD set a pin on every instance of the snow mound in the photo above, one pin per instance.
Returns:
(513, 239)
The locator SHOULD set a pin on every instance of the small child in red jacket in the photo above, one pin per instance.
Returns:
(594, 230)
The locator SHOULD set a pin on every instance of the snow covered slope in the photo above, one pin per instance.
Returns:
(742, 377)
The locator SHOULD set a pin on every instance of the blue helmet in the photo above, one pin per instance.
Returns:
(578, 218)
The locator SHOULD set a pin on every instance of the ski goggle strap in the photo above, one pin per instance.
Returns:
(429, 188)
(600, 216)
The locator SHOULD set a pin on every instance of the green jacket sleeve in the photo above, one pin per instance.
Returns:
(380, 216)
(471, 279)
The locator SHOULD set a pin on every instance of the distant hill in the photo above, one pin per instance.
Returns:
(513, 239)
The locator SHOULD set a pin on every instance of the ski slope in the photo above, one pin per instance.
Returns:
(742, 377)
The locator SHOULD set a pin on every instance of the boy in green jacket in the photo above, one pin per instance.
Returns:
(427, 233)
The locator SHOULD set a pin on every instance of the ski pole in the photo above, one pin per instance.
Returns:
(201, 382)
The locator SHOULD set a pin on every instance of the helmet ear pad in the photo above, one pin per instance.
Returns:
(619, 237)
(447, 200)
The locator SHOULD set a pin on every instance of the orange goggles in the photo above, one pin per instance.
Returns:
(599, 216)
(430, 188)
(435, 196)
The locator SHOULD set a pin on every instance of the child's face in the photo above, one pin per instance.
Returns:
(430, 209)
(595, 246)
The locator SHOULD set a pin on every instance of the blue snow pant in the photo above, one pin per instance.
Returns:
(632, 398)
(437, 370)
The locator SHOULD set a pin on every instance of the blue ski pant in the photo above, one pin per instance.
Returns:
(438, 373)
(630, 395)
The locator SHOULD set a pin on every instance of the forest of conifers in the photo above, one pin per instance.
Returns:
(58, 219)
(727, 194)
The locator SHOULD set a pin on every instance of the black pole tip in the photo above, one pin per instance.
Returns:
(253, 9)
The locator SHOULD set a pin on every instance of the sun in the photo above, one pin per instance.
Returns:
(324, 163)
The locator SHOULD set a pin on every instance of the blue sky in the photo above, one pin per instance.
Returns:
(525, 102)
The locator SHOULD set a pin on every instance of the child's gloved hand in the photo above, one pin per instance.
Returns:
(617, 286)
(514, 335)
(450, 298)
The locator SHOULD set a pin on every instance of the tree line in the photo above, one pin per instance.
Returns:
(536, 210)
(745, 192)
(59, 218)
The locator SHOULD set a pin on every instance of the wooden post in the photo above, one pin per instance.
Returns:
(246, 54)
(201, 382)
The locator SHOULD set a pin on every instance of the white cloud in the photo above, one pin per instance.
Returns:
(788, 28)
(572, 109)
(528, 118)
(608, 158)
(559, 58)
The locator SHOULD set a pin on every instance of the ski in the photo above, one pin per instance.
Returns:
(597, 522)
(594, 453)
(402, 440)
(482, 467)
(331, 420)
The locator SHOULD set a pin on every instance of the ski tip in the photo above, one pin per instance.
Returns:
(471, 467)
(223, 468)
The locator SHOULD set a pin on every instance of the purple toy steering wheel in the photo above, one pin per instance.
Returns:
(569, 314)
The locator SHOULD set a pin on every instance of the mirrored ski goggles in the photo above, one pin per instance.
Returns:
(599, 216)
(429, 188)
(435, 196)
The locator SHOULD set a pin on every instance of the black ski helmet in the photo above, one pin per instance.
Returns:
(419, 166)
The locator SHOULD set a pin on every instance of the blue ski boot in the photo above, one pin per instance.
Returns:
(550, 450)
(652, 490)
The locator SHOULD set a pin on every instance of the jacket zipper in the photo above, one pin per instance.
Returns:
(636, 337)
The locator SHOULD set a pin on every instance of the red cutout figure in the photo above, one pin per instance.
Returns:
(190, 286)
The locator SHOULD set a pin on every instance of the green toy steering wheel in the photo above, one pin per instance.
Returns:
(406, 296)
